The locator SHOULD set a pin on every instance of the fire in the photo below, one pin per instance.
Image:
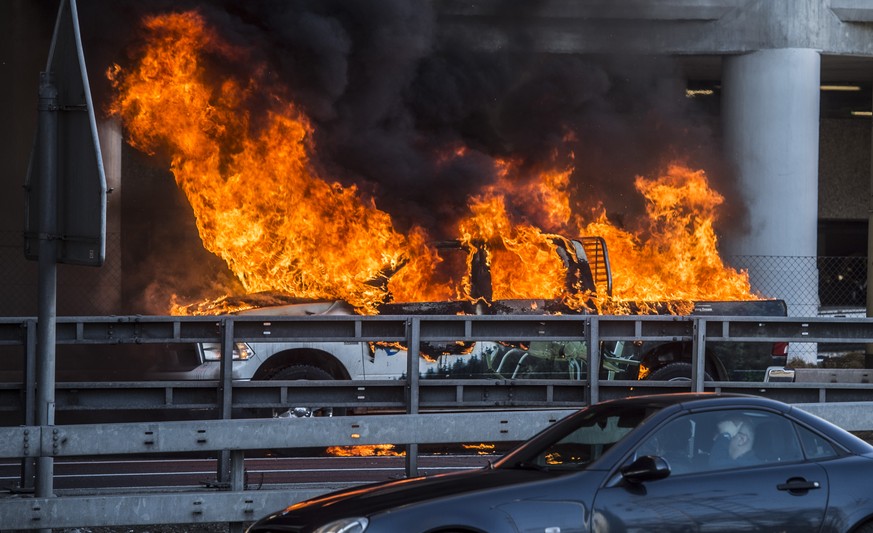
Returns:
(374, 450)
(281, 226)
(481, 449)
(674, 255)
(428, 276)
(523, 260)
(258, 202)
(522, 256)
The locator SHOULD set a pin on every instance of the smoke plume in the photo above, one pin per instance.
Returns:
(391, 88)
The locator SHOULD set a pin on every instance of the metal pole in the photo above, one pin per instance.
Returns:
(593, 324)
(28, 464)
(225, 388)
(698, 355)
(47, 312)
(237, 482)
(413, 336)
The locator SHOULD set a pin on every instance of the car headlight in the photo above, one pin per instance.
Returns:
(212, 351)
(344, 525)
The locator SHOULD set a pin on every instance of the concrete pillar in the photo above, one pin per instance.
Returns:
(770, 114)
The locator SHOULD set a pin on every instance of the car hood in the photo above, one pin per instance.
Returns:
(368, 500)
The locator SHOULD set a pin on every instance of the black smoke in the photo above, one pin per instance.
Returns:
(392, 87)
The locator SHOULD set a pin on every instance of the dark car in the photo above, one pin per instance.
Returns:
(672, 462)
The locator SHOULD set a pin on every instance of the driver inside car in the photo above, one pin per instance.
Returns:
(732, 445)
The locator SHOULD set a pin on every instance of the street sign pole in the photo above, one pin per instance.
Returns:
(47, 303)
(65, 205)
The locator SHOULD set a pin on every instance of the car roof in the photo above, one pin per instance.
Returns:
(669, 403)
(702, 400)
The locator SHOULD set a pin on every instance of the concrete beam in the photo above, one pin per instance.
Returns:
(682, 27)
(852, 10)
(703, 10)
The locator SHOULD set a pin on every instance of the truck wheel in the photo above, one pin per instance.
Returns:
(675, 372)
(293, 373)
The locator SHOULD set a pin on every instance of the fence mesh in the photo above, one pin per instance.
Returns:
(842, 281)
(81, 290)
(810, 285)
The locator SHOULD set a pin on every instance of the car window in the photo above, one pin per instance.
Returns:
(725, 439)
(587, 442)
(675, 443)
(815, 446)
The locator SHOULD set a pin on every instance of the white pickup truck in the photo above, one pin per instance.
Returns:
(539, 359)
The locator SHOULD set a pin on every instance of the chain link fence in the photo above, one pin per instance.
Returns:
(842, 282)
(811, 286)
(81, 290)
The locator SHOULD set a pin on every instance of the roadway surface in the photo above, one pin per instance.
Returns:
(82, 475)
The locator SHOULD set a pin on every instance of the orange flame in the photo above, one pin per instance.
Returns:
(674, 256)
(280, 226)
(522, 256)
(523, 261)
(259, 205)
(365, 450)
(481, 448)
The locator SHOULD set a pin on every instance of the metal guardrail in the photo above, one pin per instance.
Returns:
(140, 399)
(847, 404)
(238, 505)
(271, 433)
(406, 329)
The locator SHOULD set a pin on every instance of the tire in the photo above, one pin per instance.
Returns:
(307, 372)
(311, 373)
(675, 372)
(290, 373)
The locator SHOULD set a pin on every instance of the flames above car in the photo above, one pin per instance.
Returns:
(244, 155)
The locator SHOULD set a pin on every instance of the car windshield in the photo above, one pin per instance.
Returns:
(573, 444)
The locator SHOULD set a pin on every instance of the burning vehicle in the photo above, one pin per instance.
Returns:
(502, 360)
(294, 202)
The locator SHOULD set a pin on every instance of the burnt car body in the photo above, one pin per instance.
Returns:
(632, 465)
(587, 272)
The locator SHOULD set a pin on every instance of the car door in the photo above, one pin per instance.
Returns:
(776, 490)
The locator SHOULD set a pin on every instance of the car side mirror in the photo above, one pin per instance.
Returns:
(646, 468)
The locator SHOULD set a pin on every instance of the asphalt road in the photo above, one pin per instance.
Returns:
(84, 475)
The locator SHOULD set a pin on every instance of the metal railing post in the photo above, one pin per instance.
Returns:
(698, 355)
(225, 392)
(593, 395)
(237, 482)
(28, 464)
(413, 349)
